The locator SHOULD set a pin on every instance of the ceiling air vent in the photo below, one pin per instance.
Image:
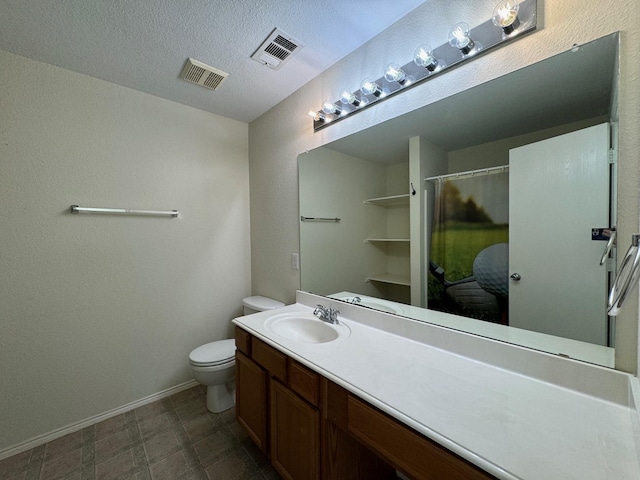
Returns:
(278, 48)
(201, 74)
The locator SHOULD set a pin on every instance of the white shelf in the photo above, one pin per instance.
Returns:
(368, 240)
(391, 201)
(390, 278)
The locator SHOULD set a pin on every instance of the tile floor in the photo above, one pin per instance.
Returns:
(174, 438)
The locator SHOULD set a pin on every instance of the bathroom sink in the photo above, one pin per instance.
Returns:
(305, 328)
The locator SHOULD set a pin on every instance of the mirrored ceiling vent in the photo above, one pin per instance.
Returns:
(203, 75)
(277, 49)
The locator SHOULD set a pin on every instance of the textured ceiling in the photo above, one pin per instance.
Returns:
(143, 44)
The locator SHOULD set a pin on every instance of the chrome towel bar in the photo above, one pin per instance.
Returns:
(124, 211)
(319, 219)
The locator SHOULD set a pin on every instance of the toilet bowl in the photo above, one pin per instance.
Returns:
(213, 364)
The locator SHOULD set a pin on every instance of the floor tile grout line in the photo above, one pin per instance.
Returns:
(183, 412)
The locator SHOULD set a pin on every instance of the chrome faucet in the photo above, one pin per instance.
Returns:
(355, 300)
(327, 314)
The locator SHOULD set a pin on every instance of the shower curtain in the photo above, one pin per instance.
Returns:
(469, 249)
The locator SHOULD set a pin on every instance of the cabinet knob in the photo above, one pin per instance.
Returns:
(515, 277)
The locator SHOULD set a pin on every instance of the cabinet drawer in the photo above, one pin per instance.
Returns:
(243, 341)
(409, 451)
(270, 358)
(304, 382)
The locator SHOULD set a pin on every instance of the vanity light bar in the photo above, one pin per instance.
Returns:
(510, 20)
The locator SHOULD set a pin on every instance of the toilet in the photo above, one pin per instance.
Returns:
(213, 364)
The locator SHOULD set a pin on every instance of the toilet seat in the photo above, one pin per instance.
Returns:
(214, 354)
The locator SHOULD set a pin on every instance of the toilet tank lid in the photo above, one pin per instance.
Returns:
(213, 352)
(261, 304)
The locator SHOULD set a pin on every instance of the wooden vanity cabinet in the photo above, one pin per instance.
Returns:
(416, 456)
(313, 429)
(277, 402)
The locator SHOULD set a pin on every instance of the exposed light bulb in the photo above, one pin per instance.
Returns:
(505, 16)
(423, 57)
(393, 73)
(349, 98)
(317, 116)
(370, 87)
(460, 39)
(331, 108)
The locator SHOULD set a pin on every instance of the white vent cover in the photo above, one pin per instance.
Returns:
(277, 49)
(204, 75)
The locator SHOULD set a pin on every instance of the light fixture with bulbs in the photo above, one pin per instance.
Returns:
(505, 16)
(423, 57)
(348, 98)
(317, 116)
(510, 20)
(394, 73)
(371, 87)
(331, 108)
(460, 39)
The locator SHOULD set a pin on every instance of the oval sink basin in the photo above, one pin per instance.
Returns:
(305, 328)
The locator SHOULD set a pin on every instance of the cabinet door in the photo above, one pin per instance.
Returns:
(295, 435)
(251, 399)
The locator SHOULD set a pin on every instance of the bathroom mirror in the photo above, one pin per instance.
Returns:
(357, 218)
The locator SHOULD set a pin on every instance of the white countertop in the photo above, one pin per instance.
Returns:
(561, 420)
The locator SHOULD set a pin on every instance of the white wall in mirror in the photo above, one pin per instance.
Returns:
(284, 132)
(343, 253)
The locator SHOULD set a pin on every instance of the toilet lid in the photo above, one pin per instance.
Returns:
(213, 353)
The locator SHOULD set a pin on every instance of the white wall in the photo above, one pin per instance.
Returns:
(277, 137)
(496, 154)
(336, 185)
(100, 311)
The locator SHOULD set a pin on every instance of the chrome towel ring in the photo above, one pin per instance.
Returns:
(626, 279)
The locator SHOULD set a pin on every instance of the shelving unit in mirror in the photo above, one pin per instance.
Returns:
(373, 240)
(390, 201)
(394, 242)
(392, 278)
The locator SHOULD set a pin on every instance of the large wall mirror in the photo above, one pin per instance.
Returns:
(488, 211)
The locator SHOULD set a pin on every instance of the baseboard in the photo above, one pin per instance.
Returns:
(74, 427)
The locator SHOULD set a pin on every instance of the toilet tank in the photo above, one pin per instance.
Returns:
(258, 303)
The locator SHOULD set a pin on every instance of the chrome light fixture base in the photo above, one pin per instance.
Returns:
(487, 35)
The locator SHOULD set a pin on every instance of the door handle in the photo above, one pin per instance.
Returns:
(515, 277)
